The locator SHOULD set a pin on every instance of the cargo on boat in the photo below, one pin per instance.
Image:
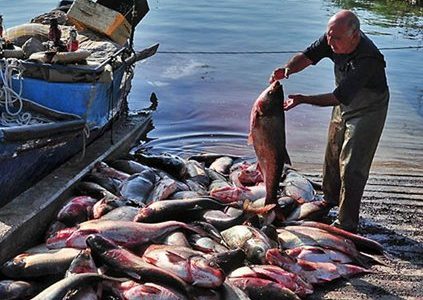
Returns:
(63, 82)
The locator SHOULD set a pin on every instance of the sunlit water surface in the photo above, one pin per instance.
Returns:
(205, 99)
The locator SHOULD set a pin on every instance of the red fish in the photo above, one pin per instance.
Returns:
(267, 134)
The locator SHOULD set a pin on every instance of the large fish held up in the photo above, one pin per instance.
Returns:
(267, 134)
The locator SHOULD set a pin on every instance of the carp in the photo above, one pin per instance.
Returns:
(251, 240)
(124, 261)
(188, 264)
(267, 134)
(125, 233)
(289, 280)
(313, 272)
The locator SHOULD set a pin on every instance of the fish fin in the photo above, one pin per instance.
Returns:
(248, 208)
(174, 257)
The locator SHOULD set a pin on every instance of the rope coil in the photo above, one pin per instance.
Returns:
(12, 101)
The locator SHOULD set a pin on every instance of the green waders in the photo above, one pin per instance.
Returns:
(353, 136)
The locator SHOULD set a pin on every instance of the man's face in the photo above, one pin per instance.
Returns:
(340, 38)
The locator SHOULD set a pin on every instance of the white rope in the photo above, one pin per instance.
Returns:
(12, 101)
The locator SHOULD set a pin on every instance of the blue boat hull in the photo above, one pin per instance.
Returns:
(95, 102)
(25, 160)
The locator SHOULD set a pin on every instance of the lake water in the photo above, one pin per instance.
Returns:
(205, 99)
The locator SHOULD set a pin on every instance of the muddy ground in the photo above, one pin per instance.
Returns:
(392, 214)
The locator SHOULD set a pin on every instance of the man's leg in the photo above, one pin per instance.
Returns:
(361, 138)
(331, 176)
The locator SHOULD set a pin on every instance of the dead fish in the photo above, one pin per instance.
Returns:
(209, 158)
(228, 193)
(122, 213)
(306, 210)
(220, 219)
(267, 134)
(170, 163)
(188, 264)
(168, 209)
(108, 204)
(53, 228)
(197, 172)
(92, 189)
(206, 244)
(184, 195)
(359, 241)
(15, 290)
(313, 272)
(228, 291)
(109, 183)
(124, 233)
(251, 240)
(196, 187)
(77, 210)
(60, 289)
(259, 289)
(217, 185)
(298, 187)
(250, 176)
(319, 254)
(128, 166)
(162, 190)
(82, 263)
(131, 290)
(228, 260)
(287, 279)
(138, 187)
(103, 168)
(176, 238)
(297, 236)
(40, 263)
(120, 259)
(214, 175)
(222, 164)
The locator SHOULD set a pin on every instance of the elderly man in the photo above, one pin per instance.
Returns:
(360, 103)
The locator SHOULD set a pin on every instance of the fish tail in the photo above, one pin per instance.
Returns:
(366, 260)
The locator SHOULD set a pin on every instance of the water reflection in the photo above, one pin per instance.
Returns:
(401, 15)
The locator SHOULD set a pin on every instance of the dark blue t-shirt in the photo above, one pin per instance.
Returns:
(363, 68)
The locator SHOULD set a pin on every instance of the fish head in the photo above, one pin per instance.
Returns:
(271, 99)
(99, 244)
(205, 273)
(255, 250)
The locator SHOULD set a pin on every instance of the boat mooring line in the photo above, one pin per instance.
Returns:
(268, 52)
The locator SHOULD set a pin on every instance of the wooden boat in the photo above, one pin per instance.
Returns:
(79, 101)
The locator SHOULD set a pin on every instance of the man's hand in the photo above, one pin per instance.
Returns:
(279, 74)
(293, 100)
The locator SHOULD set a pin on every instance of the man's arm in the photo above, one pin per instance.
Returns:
(296, 64)
(318, 100)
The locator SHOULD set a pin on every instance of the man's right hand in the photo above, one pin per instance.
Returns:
(278, 74)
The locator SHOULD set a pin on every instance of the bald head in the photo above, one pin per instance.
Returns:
(346, 19)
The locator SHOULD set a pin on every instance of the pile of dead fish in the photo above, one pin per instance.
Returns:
(161, 227)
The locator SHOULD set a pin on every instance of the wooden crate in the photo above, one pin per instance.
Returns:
(88, 14)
